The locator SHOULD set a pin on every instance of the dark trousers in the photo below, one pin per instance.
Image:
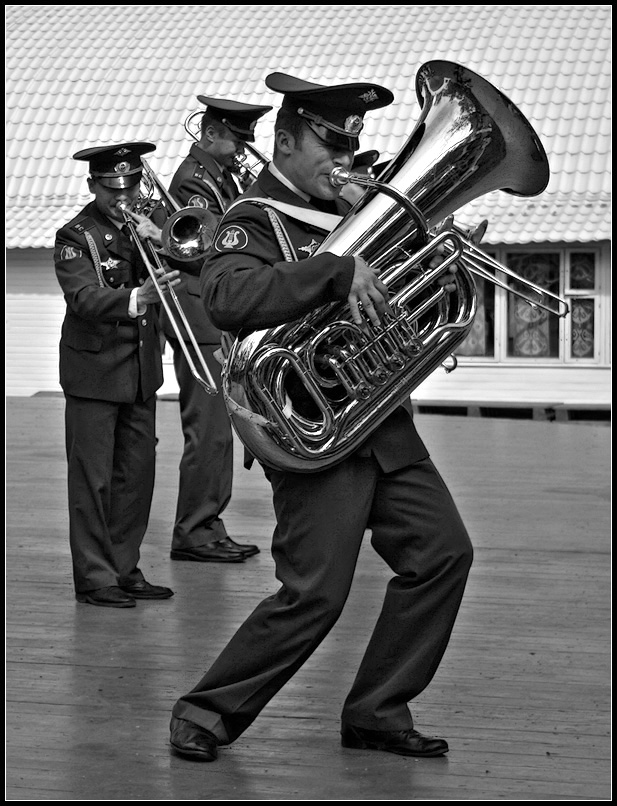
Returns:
(110, 449)
(206, 466)
(321, 521)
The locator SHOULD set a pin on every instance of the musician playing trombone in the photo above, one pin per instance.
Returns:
(204, 179)
(261, 273)
(110, 369)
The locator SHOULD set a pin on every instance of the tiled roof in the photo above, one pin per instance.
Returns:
(87, 75)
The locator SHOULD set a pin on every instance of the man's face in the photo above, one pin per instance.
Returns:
(226, 147)
(311, 162)
(107, 199)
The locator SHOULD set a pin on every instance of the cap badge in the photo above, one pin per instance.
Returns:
(353, 124)
(122, 167)
(121, 152)
(369, 96)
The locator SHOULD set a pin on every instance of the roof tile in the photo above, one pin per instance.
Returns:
(552, 61)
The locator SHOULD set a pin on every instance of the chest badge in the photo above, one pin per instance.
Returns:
(110, 264)
(310, 248)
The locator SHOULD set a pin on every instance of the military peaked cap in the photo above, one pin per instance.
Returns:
(365, 160)
(240, 118)
(335, 113)
(116, 166)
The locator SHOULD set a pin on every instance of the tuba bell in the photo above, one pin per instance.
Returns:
(470, 140)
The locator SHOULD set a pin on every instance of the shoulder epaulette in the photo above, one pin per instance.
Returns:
(83, 224)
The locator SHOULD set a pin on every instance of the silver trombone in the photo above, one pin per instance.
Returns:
(186, 236)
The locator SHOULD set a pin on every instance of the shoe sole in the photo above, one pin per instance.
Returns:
(183, 558)
(196, 755)
(87, 600)
(368, 746)
(145, 596)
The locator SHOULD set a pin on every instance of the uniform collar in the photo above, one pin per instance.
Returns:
(283, 179)
(208, 162)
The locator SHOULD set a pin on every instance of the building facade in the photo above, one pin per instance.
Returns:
(131, 74)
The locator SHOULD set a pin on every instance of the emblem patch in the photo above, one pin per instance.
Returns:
(198, 201)
(70, 253)
(231, 237)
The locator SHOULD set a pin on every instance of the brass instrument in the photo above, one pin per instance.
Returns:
(470, 140)
(243, 169)
(186, 235)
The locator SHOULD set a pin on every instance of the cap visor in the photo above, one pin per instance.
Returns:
(118, 182)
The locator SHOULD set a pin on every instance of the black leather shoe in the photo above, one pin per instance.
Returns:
(209, 553)
(248, 549)
(189, 739)
(402, 742)
(107, 597)
(144, 590)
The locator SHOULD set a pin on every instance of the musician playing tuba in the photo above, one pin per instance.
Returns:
(204, 179)
(110, 370)
(263, 272)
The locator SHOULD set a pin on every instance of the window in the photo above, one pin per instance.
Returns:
(532, 332)
(581, 282)
(506, 328)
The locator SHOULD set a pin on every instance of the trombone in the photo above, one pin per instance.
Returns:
(186, 236)
(244, 170)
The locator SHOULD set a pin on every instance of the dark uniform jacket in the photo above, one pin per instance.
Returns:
(104, 353)
(199, 182)
(247, 285)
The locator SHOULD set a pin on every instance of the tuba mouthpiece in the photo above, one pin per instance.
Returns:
(339, 176)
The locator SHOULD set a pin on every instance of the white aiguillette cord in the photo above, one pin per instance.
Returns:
(325, 221)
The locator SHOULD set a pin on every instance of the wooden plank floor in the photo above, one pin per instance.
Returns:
(523, 694)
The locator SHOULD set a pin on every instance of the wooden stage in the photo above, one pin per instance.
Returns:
(523, 693)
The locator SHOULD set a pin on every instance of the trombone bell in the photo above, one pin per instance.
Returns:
(188, 233)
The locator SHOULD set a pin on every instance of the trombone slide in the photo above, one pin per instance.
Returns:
(206, 381)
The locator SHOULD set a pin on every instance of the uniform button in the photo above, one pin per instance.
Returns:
(141, 281)
(144, 322)
(141, 342)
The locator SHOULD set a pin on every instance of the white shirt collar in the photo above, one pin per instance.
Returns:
(275, 172)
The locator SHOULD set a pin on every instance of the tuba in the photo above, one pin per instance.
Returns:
(470, 140)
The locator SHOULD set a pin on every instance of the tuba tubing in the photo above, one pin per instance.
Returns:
(474, 259)
(470, 139)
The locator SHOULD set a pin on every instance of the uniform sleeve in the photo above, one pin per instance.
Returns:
(80, 282)
(247, 284)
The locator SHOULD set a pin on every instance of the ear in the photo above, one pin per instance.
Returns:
(285, 142)
(91, 185)
(209, 134)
